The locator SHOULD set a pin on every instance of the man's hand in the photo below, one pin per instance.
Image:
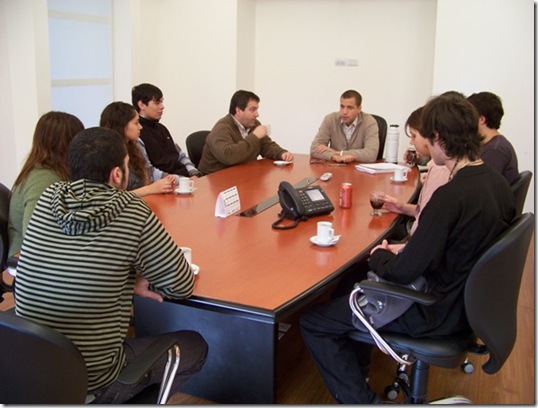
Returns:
(346, 158)
(384, 245)
(260, 132)
(141, 289)
(287, 156)
(322, 149)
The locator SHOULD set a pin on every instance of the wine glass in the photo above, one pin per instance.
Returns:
(377, 199)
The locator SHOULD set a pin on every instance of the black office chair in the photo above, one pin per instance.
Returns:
(495, 276)
(5, 197)
(520, 189)
(382, 125)
(195, 145)
(42, 366)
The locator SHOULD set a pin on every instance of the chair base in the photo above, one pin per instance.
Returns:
(456, 400)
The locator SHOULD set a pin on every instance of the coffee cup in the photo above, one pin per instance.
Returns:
(185, 185)
(325, 232)
(400, 174)
(187, 253)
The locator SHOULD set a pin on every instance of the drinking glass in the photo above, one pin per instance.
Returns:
(377, 199)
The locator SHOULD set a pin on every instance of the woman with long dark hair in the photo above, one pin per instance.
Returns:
(123, 118)
(46, 164)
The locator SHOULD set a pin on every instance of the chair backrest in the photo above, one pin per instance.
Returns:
(39, 365)
(5, 197)
(195, 145)
(520, 189)
(382, 125)
(492, 291)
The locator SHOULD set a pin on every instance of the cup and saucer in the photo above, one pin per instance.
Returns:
(195, 268)
(398, 180)
(316, 241)
(282, 162)
(189, 191)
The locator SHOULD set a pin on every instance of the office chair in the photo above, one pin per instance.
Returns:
(195, 145)
(42, 366)
(520, 189)
(382, 125)
(495, 276)
(5, 197)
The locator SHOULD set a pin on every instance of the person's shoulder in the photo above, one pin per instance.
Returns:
(41, 178)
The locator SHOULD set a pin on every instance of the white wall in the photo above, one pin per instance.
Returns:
(298, 42)
(24, 79)
(200, 52)
(490, 47)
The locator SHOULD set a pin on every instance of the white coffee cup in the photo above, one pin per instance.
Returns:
(187, 253)
(325, 232)
(400, 174)
(185, 185)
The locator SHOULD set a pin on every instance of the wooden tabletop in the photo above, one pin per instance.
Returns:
(243, 261)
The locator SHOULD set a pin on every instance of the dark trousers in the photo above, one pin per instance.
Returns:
(193, 350)
(342, 362)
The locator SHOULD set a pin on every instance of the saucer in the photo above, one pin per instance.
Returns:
(195, 268)
(192, 190)
(282, 162)
(398, 181)
(314, 240)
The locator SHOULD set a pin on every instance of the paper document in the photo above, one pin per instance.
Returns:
(377, 168)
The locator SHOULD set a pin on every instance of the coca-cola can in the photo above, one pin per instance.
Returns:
(346, 195)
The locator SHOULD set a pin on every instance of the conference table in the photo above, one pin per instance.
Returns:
(252, 277)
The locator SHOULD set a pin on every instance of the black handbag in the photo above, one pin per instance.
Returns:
(377, 309)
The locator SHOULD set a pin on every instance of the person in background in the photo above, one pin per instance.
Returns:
(163, 153)
(239, 137)
(46, 164)
(349, 135)
(462, 219)
(90, 245)
(144, 179)
(436, 177)
(497, 151)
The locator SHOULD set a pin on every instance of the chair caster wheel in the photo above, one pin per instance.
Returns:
(403, 376)
(467, 367)
(391, 392)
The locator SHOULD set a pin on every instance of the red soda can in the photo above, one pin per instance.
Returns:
(346, 195)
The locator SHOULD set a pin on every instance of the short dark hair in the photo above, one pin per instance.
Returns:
(145, 93)
(94, 152)
(455, 121)
(240, 100)
(352, 94)
(414, 120)
(489, 106)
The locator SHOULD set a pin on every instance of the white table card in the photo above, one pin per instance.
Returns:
(227, 202)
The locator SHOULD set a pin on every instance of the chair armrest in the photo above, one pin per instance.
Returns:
(398, 291)
(136, 369)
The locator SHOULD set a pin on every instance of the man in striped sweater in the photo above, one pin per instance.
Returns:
(89, 246)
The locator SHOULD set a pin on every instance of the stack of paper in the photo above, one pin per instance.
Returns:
(376, 168)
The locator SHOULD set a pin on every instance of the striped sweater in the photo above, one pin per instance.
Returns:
(80, 254)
